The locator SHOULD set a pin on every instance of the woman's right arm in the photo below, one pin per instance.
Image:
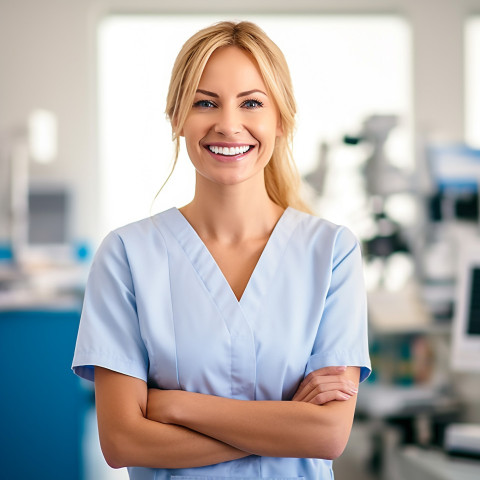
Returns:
(128, 438)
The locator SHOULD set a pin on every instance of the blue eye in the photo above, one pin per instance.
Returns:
(204, 104)
(252, 103)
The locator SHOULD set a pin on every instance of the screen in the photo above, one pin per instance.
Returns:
(48, 217)
(466, 322)
(473, 326)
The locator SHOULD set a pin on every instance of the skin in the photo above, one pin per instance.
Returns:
(231, 211)
(234, 217)
(231, 110)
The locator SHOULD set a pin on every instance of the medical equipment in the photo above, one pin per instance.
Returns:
(464, 438)
(466, 324)
(381, 177)
(382, 180)
(452, 217)
(36, 141)
(455, 173)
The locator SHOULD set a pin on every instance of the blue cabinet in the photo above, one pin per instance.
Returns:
(42, 403)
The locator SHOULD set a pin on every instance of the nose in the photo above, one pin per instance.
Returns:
(228, 122)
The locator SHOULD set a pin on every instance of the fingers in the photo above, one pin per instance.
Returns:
(314, 388)
(319, 385)
(321, 372)
(325, 371)
(344, 390)
(325, 380)
(326, 397)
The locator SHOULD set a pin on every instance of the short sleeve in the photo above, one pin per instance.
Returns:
(342, 337)
(109, 333)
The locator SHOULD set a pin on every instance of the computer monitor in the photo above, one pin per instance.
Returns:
(455, 173)
(464, 438)
(49, 217)
(466, 322)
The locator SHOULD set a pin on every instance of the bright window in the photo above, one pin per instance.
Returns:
(344, 69)
(472, 82)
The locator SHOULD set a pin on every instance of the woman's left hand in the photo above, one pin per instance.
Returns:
(319, 387)
(325, 385)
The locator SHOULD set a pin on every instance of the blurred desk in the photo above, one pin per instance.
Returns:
(403, 415)
(414, 463)
(380, 401)
(27, 300)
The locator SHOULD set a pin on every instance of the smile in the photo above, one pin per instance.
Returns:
(229, 151)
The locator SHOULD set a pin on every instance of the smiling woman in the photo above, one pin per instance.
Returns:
(230, 135)
(227, 338)
(253, 67)
(344, 67)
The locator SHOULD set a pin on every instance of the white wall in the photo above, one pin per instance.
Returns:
(47, 59)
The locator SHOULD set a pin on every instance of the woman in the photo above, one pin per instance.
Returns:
(212, 332)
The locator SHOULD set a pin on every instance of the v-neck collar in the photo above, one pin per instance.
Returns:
(211, 274)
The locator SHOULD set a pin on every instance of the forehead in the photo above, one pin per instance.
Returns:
(232, 66)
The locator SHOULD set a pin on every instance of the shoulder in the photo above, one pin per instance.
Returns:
(154, 224)
(322, 233)
(137, 238)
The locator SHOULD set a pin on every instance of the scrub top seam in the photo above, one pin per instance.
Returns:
(279, 264)
(286, 226)
(355, 246)
(285, 246)
(158, 228)
(131, 277)
(184, 234)
(200, 278)
(259, 311)
(217, 308)
(203, 282)
(128, 264)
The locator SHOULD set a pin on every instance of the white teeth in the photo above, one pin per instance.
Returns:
(229, 151)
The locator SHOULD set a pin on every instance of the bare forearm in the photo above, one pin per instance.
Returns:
(128, 438)
(268, 428)
(155, 445)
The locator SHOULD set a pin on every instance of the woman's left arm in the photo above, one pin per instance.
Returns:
(267, 428)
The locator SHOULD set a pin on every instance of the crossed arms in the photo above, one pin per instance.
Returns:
(177, 429)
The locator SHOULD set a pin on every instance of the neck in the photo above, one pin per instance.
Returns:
(232, 213)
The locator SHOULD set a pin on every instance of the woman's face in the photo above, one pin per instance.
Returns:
(231, 129)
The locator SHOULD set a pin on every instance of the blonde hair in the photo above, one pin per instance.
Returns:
(282, 180)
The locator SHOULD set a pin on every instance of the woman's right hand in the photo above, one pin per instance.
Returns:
(325, 385)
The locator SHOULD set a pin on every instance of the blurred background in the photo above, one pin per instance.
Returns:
(388, 143)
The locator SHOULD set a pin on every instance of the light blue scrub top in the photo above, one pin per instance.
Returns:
(158, 307)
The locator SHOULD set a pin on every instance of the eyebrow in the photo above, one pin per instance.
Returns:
(241, 94)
